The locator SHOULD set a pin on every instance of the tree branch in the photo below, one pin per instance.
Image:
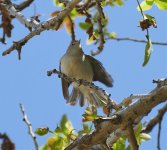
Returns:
(30, 130)
(100, 29)
(23, 5)
(119, 120)
(131, 137)
(72, 28)
(159, 135)
(56, 22)
(83, 8)
(154, 121)
(13, 12)
(136, 40)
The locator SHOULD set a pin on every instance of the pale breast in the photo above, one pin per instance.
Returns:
(76, 67)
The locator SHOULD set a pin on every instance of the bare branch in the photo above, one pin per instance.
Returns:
(154, 121)
(128, 100)
(72, 28)
(100, 29)
(140, 9)
(83, 8)
(114, 136)
(159, 135)
(56, 22)
(13, 12)
(160, 82)
(23, 5)
(136, 40)
(30, 130)
(131, 137)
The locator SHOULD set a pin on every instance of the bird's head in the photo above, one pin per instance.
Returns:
(75, 46)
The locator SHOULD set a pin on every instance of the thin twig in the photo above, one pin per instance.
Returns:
(136, 40)
(154, 121)
(131, 137)
(83, 8)
(100, 29)
(159, 135)
(30, 130)
(23, 5)
(72, 28)
(140, 9)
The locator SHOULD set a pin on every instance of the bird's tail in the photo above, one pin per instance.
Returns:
(97, 98)
(94, 97)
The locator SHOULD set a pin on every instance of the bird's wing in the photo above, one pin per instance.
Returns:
(100, 74)
(65, 85)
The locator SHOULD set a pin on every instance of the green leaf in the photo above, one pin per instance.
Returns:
(57, 3)
(120, 144)
(145, 136)
(141, 136)
(138, 129)
(151, 19)
(161, 4)
(96, 33)
(104, 21)
(73, 13)
(147, 52)
(66, 125)
(85, 25)
(42, 131)
(62, 136)
(103, 3)
(90, 40)
(86, 129)
(112, 35)
(72, 136)
(90, 117)
(45, 147)
(57, 131)
(119, 2)
(138, 132)
(56, 143)
(146, 5)
(90, 114)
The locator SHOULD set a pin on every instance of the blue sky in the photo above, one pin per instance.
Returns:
(26, 81)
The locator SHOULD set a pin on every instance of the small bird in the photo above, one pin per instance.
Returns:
(76, 64)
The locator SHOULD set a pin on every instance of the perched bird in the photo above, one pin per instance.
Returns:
(76, 64)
